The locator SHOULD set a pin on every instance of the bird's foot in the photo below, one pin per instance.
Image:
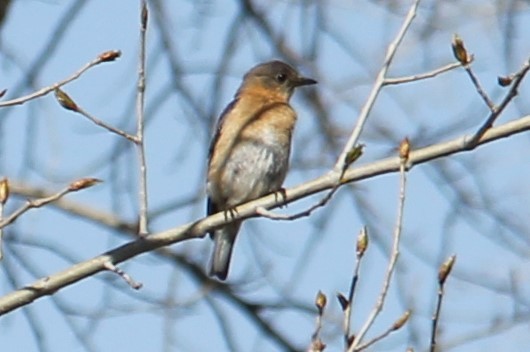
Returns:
(283, 194)
(232, 212)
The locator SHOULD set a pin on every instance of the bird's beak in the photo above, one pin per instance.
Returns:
(304, 81)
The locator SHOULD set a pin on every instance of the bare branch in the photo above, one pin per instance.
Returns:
(404, 152)
(198, 228)
(443, 273)
(68, 103)
(376, 89)
(398, 324)
(362, 245)
(103, 57)
(512, 93)
(317, 345)
(37, 203)
(126, 277)
(4, 195)
(421, 76)
(140, 103)
(462, 55)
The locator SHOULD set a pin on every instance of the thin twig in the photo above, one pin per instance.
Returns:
(140, 103)
(362, 244)
(126, 277)
(106, 126)
(107, 219)
(393, 255)
(4, 196)
(421, 76)
(37, 203)
(316, 342)
(1, 231)
(512, 93)
(351, 157)
(466, 59)
(69, 104)
(31, 204)
(376, 89)
(307, 212)
(398, 324)
(104, 57)
(480, 90)
(47, 51)
(443, 273)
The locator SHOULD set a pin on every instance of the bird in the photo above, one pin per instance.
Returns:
(249, 152)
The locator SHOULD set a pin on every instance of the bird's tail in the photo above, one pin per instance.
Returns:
(224, 239)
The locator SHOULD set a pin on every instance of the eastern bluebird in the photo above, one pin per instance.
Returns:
(249, 153)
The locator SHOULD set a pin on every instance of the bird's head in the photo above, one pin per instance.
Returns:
(276, 78)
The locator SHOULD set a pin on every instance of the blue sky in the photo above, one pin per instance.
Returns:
(472, 205)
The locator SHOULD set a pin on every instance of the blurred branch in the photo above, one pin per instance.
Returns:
(47, 51)
(82, 270)
(4, 7)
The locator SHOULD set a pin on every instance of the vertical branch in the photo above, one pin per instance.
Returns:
(404, 150)
(443, 273)
(140, 102)
(4, 194)
(362, 245)
(316, 343)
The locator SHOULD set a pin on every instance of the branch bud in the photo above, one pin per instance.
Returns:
(83, 183)
(404, 149)
(398, 324)
(65, 100)
(4, 190)
(353, 154)
(362, 242)
(110, 55)
(317, 346)
(504, 81)
(321, 302)
(459, 50)
(445, 269)
(144, 17)
(343, 301)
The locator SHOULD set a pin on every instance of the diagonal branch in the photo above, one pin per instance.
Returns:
(110, 55)
(51, 284)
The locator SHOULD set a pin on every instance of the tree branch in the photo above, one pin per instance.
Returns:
(51, 284)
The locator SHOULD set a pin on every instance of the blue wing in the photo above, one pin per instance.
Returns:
(219, 127)
(211, 207)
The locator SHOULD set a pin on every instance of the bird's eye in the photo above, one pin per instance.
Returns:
(281, 77)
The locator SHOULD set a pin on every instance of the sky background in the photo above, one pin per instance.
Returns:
(474, 205)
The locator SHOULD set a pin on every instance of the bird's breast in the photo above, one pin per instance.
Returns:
(257, 161)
